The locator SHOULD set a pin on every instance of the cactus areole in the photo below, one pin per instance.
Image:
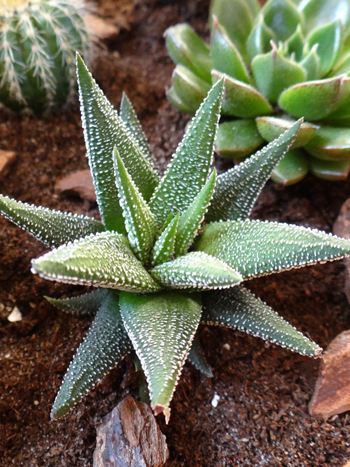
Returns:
(38, 41)
(282, 61)
(169, 253)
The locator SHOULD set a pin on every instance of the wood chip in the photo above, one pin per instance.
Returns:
(7, 158)
(79, 184)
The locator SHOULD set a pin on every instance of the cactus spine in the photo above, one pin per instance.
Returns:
(38, 41)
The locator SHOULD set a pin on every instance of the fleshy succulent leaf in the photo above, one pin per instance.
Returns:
(164, 248)
(197, 358)
(104, 130)
(139, 221)
(330, 170)
(237, 189)
(260, 38)
(257, 248)
(191, 219)
(239, 309)
(283, 17)
(51, 227)
(81, 305)
(271, 128)
(189, 168)
(237, 138)
(330, 143)
(319, 12)
(196, 270)
(104, 346)
(161, 328)
(128, 115)
(312, 64)
(101, 260)
(291, 169)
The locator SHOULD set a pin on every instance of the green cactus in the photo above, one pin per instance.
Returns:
(285, 60)
(38, 41)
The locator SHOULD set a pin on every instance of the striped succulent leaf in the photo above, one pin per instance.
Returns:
(51, 227)
(81, 305)
(196, 270)
(104, 346)
(161, 328)
(257, 248)
(190, 165)
(239, 309)
(102, 260)
(197, 358)
(164, 247)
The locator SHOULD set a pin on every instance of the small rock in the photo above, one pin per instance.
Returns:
(78, 183)
(101, 28)
(215, 400)
(331, 395)
(15, 315)
(341, 228)
(130, 436)
(7, 158)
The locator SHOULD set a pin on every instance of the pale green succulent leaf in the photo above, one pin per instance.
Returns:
(336, 171)
(178, 102)
(312, 64)
(260, 37)
(319, 12)
(291, 169)
(128, 115)
(328, 39)
(271, 128)
(186, 48)
(51, 227)
(239, 309)
(197, 358)
(342, 66)
(283, 17)
(81, 305)
(330, 143)
(191, 219)
(273, 73)
(315, 100)
(190, 165)
(196, 270)
(161, 328)
(188, 87)
(225, 56)
(164, 248)
(238, 189)
(257, 248)
(295, 43)
(241, 99)
(139, 221)
(104, 346)
(104, 130)
(238, 138)
(101, 260)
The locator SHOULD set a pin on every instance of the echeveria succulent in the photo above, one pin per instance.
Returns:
(38, 41)
(170, 252)
(283, 61)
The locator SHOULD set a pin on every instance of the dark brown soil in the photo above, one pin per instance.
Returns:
(261, 417)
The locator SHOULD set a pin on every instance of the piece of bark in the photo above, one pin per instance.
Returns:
(129, 436)
(341, 228)
(79, 184)
(101, 28)
(331, 395)
(7, 158)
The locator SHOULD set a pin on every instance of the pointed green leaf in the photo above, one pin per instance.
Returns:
(237, 189)
(104, 130)
(188, 87)
(256, 248)
(241, 99)
(330, 143)
(80, 305)
(330, 170)
(196, 271)
(283, 17)
(197, 358)
(139, 220)
(273, 73)
(237, 138)
(342, 66)
(295, 43)
(192, 218)
(161, 328)
(225, 56)
(318, 12)
(104, 346)
(178, 102)
(130, 118)
(329, 41)
(189, 168)
(51, 227)
(271, 128)
(239, 309)
(260, 37)
(292, 168)
(186, 48)
(101, 260)
(312, 64)
(164, 248)
(315, 100)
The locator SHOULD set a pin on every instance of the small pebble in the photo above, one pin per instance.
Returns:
(15, 315)
(215, 400)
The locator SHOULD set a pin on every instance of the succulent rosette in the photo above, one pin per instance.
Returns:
(283, 61)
